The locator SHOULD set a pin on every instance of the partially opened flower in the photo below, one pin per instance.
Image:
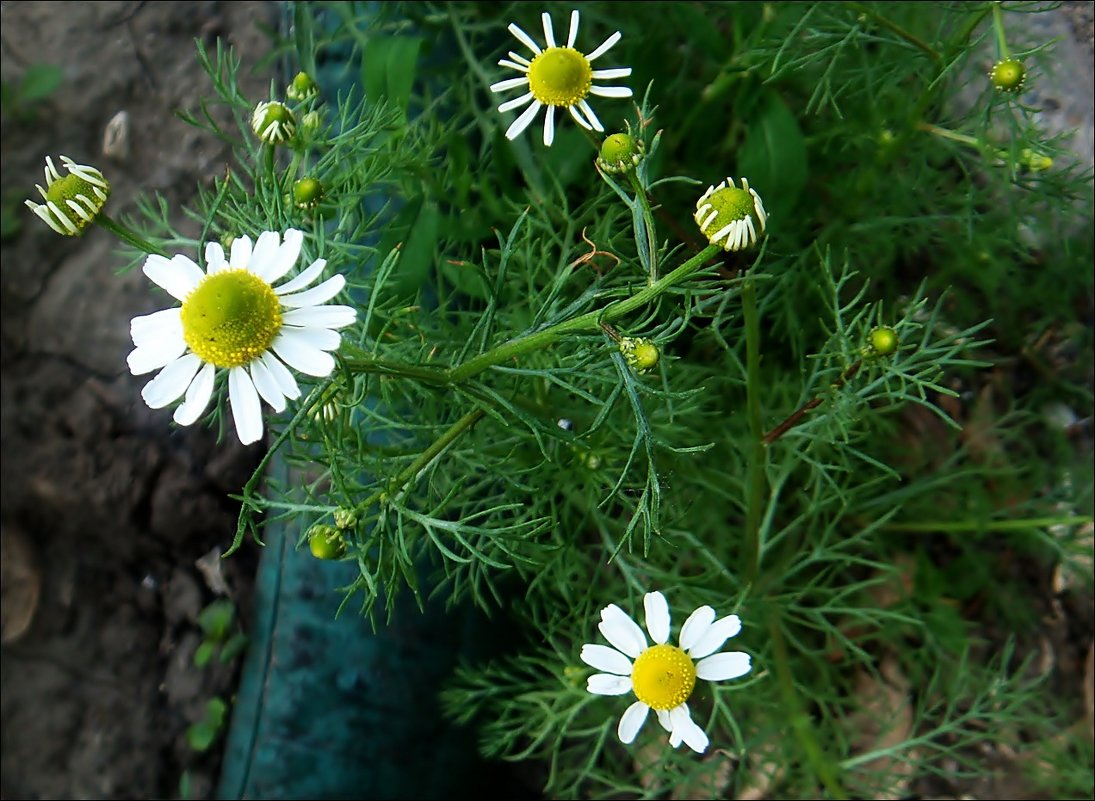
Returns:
(233, 318)
(558, 77)
(273, 122)
(662, 676)
(73, 200)
(735, 217)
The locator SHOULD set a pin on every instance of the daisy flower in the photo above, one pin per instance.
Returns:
(71, 201)
(233, 318)
(734, 215)
(662, 676)
(557, 77)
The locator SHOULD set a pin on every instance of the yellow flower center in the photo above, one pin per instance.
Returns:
(732, 204)
(231, 318)
(87, 195)
(1008, 75)
(560, 76)
(663, 677)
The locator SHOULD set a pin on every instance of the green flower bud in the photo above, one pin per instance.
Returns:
(326, 542)
(1034, 161)
(1009, 75)
(310, 122)
(621, 152)
(882, 341)
(273, 123)
(72, 201)
(345, 517)
(735, 217)
(307, 193)
(302, 88)
(640, 354)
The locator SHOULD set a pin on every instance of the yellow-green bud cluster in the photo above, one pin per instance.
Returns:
(302, 88)
(326, 542)
(273, 122)
(1009, 75)
(621, 152)
(71, 201)
(641, 354)
(345, 517)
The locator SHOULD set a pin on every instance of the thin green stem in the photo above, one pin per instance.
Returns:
(945, 133)
(998, 27)
(946, 526)
(892, 26)
(438, 447)
(758, 453)
(126, 235)
(648, 221)
(589, 321)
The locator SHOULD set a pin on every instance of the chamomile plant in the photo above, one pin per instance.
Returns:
(718, 345)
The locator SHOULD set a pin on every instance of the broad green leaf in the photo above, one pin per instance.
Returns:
(773, 157)
(389, 69)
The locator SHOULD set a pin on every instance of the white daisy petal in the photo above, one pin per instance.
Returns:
(304, 279)
(317, 294)
(623, 632)
(718, 633)
(573, 28)
(286, 257)
(197, 396)
(178, 276)
(687, 730)
(171, 382)
(161, 326)
(153, 357)
(241, 253)
(524, 62)
(549, 33)
(509, 83)
(588, 111)
(610, 91)
(265, 253)
(245, 406)
(517, 102)
(607, 659)
(287, 385)
(657, 616)
(663, 719)
(214, 258)
(513, 65)
(267, 385)
(320, 317)
(604, 684)
(318, 338)
(302, 357)
(632, 721)
(696, 626)
(522, 122)
(578, 118)
(549, 126)
(524, 38)
(607, 75)
(605, 46)
(722, 667)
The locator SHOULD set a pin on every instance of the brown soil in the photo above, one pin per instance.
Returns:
(106, 505)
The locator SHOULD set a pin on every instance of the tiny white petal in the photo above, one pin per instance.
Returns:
(302, 357)
(549, 126)
(246, 410)
(524, 38)
(588, 111)
(317, 294)
(607, 659)
(320, 317)
(287, 384)
(241, 253)
(663, 719)
(657, 617)
(214, 258)
(513, 65)
(522, 122)
(267, 385)
(610, 91)
(178, 276)
(607, 75)
(509, 83)
(549, 33)
(304, 279)
(722, 667)
(197, 396)
(632, 721)
(718, 633)
(516, 102)
(171, 382)
(687, 730)
(519, 59)
(318, 338)
(573, 28)
(605, 46)
(623, 632)
(696, 626)
(155, 328)
(578, 118)
(605, 684)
